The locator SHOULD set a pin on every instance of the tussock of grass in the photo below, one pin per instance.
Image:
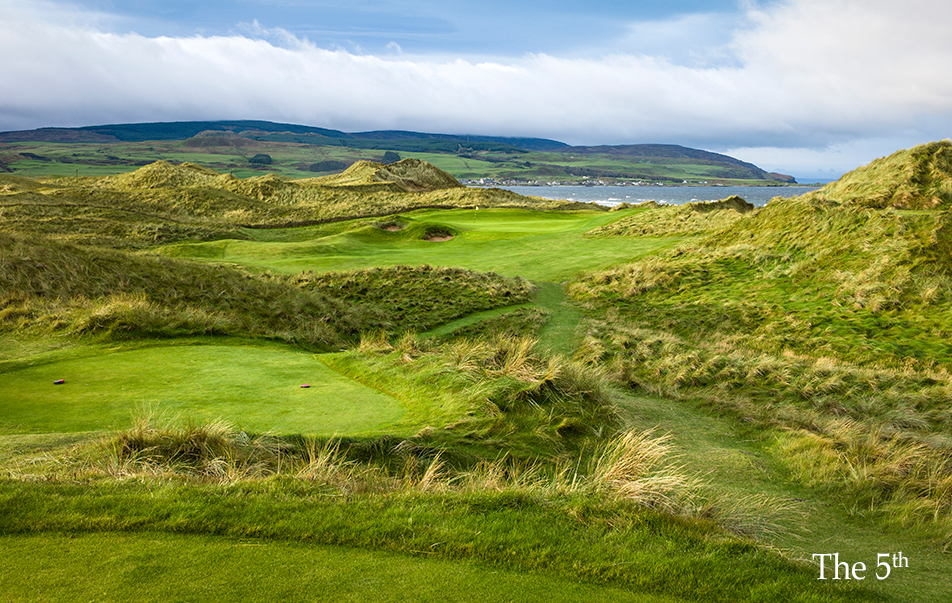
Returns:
(514, 400)
(211, 450)
(420, 297)
(626, 468)
(689, 219)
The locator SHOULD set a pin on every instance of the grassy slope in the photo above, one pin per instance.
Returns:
(826, 318)
(548, 265)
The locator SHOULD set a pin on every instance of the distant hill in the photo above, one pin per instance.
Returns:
(526, 144)
(253, 129)
(655, 151)
(498, 159)
(672, 153)
(176, 130)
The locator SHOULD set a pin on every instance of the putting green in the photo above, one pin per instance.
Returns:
(256, 387)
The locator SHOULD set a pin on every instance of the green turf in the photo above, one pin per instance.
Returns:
(548, 246)
(170, 567)
(255, 386)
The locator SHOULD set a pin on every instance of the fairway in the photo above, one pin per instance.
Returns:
(539, 246)
(256, 387)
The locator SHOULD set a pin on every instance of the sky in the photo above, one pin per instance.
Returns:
(812, 88)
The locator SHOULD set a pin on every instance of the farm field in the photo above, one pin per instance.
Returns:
(648, 404)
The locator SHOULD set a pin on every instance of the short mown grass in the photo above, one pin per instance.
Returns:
(168, 566)
(252, 384)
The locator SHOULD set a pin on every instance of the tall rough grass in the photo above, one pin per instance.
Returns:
(877, 469)
(44, 284)
(628, 470)
(917, 178)
(516, 399)
(690, 219)
(809, 313)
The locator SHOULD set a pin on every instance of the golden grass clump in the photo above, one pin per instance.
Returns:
(631, 467)
(908, 482)
(689, 219)
(916, 178)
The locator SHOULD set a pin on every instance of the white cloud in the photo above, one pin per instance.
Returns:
(694, 39)
(847, 63)
(827, 163)
(808, 74)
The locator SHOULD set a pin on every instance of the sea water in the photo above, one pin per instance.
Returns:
(673, 195)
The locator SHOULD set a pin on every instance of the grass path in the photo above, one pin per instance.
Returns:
(558, 334)
(742, 465)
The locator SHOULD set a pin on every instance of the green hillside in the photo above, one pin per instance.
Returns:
(826, 317)
(249, 147)
(381, 368)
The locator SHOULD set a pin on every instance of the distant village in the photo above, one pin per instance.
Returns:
(584, 181)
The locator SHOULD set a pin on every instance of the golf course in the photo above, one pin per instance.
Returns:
(383, 385)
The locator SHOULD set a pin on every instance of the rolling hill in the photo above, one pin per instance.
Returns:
(297, 150)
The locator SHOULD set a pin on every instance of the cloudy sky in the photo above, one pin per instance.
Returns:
(808, 87)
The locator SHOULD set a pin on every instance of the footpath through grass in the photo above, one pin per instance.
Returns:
(744, 465)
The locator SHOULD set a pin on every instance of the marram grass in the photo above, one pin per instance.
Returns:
(804, 314)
